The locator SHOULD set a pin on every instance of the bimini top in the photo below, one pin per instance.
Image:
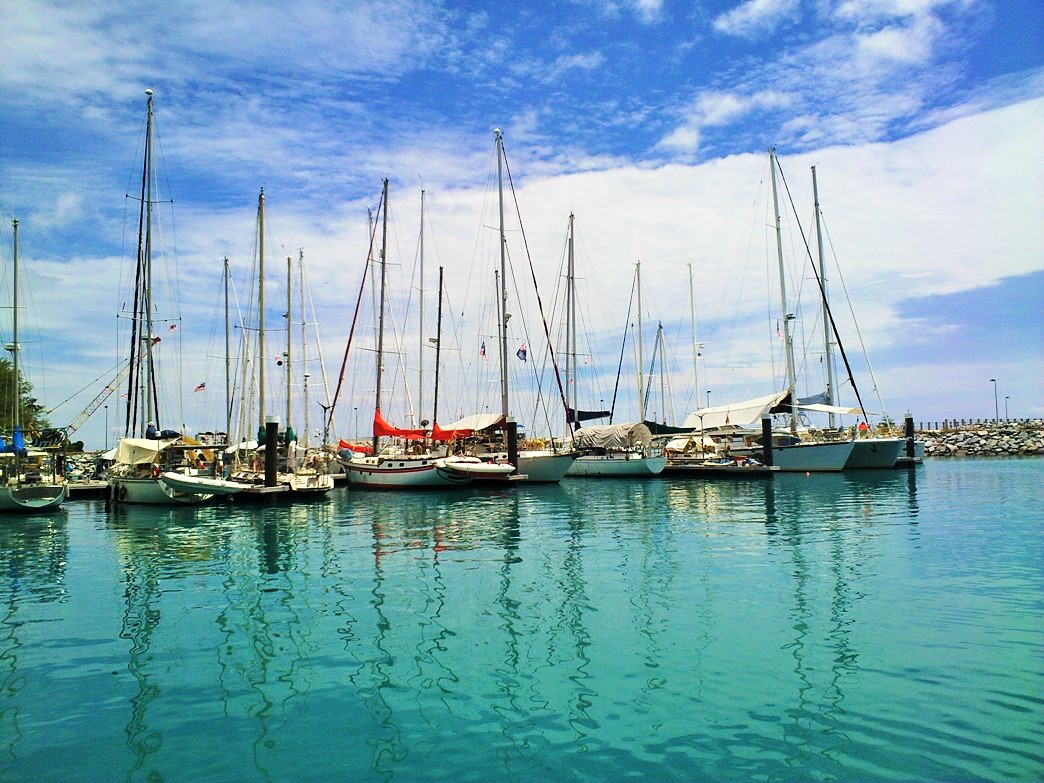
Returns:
(745, 413)
(613, 436)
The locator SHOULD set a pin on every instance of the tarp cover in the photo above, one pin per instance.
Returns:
(140, 451)
(476, 421)
(745, 413)
(613, 436)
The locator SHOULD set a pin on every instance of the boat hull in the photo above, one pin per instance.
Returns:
(616, 465)
(544, 467)
(32, 497)
(401, 473)
(805, 457)
(875, 453)
(152, 491)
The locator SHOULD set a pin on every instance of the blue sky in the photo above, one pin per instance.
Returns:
(648, 119)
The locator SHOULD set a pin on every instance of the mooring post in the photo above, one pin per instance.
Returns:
(512, 442)
(766, 440)
(909, 435)
(271, 447)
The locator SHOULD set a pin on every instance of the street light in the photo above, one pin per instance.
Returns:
(708, 397)
(996, 408)
(106, 427)
(1006, 398)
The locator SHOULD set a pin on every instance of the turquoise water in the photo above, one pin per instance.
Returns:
(878, 626)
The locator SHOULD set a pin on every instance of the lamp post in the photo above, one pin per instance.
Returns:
(106, 427)
(1006, 398)
(708, 397)
(996, 408)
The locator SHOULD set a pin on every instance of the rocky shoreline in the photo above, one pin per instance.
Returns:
(992, 439)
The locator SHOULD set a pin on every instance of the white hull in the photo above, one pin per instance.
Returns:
(614, 465)
(32, 497)
(805, 457)
(202, 484)
(152, 491)
(402, 472)
(544, 466)
(875, 452)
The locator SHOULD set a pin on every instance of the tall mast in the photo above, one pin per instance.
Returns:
(14, 341)
(289, 321)
(261, 307)
(380, 321)
(638, 342)
(571, 363)
(304, 342)
(788, 344)
(420, 318)
(503, 277)
(438, 352)
(828, 344)
(228, 366)
(695, 344)
(150, 413)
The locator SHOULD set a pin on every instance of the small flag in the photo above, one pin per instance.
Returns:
(482, 349)
(173, 327)
(201, 387)
(779, 332)
(521, 352)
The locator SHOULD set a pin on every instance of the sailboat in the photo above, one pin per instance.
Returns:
(790, 451)
(407, 461)
(149, 460)
(868, 451)
(286, 473)
(611, 450)
(32, 479)
(534, 465)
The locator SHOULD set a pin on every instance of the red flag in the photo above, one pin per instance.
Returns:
(201, 387)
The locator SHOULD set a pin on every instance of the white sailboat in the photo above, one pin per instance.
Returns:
(293, 475)
(605, 451)
(790, 451)
(147, 451)
(30, 478)
(406, 461)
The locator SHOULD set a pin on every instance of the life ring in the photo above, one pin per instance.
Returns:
(121, 493)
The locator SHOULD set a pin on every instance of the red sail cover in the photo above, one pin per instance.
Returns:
(358, 448)
(381, 428)
(437, 433)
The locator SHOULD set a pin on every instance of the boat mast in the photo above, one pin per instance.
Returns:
(438, 351)
(289, 320)
(150, 413)
(695, 344)
(304, 342)
(14, 336)
(638, 342)
(571, 363)
(828, 345)
(788, 344)
(261, 308)
(228, 366)
(380, 321)
(420, 319)
(503, 277)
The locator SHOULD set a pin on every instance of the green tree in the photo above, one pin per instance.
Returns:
(32, 412)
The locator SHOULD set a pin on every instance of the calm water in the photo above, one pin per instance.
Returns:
(857, 627)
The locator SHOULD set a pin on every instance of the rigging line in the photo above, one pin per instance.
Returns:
(623, 346)
(355, 316)
(532, 271)
(851, 310)
(826, 305)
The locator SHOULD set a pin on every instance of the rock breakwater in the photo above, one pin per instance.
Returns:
(992, 439)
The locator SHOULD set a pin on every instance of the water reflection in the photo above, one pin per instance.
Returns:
(33, 556)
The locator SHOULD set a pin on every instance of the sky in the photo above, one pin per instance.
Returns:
(650, 120)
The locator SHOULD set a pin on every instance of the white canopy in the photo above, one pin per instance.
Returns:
(838, 409)
(745, 413)
(140, 451)
(613, 436)
(476, 421)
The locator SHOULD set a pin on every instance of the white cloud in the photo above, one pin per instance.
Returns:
(756, 17)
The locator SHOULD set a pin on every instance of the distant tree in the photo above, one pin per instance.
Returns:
(32, 412)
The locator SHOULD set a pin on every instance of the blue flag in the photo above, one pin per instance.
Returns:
(521, 352)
